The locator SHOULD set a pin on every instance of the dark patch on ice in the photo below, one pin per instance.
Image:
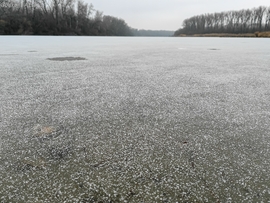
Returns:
(214, 49)
(58, 152)
(32, 51)
(8, 54)
(27, 165)
(66, 59)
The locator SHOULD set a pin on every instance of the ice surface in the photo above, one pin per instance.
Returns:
(140, 120)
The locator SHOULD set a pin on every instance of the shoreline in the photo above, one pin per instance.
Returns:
(251, 35)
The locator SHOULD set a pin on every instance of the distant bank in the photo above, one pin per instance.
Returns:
(256, 34)
(253, 22)
(152, 33)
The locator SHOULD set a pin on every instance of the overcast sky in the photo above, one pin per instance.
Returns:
(167, 14)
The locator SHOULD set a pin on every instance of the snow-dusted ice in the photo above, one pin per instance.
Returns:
(100, 119)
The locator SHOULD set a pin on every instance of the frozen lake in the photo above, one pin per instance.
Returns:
(138, 120)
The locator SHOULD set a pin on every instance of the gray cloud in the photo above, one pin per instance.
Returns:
(167, 14)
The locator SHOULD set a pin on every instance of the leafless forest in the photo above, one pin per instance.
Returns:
(57, 17)
(243, 21)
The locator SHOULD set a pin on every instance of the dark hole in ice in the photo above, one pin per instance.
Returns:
(66, 59)
(32, 51)
(214, 49)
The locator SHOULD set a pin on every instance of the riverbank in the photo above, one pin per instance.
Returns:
(256, 34)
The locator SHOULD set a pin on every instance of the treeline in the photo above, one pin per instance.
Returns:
(243, 21)
(57, 17)
(153, 33)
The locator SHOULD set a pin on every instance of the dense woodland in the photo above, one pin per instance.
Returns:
(63, 17)
(57, 17)
(243, 21)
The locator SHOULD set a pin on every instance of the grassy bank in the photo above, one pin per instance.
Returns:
(256, 34)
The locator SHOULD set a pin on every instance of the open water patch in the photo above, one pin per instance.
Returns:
(67, 59)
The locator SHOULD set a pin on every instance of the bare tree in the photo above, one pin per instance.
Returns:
(267, 19)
